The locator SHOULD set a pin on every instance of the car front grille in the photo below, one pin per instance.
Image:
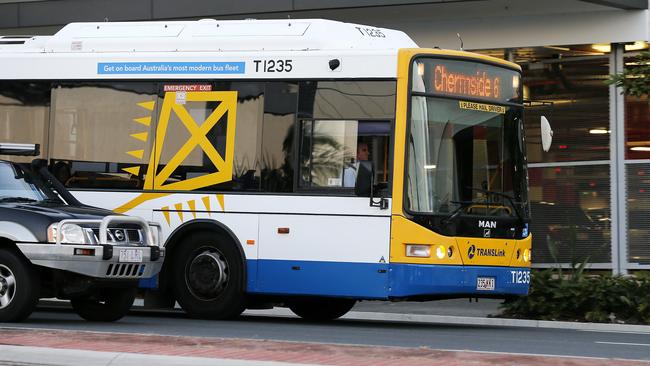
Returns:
(122, 236)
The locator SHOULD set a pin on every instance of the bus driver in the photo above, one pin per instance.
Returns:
(350, 173)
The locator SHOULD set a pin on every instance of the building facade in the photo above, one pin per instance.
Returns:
(590, 193)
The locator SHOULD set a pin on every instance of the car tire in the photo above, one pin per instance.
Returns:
(208, 276)
(19, 286)
(107, 305)
(321, 309)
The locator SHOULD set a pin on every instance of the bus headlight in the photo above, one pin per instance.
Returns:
(70, 233)
(415, 250)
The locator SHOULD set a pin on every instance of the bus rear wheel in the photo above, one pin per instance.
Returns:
(107, 305)
(207, 276)
(321, 309)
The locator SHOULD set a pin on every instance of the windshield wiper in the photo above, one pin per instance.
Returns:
(16, 199)
(511, 199)
(455, 213)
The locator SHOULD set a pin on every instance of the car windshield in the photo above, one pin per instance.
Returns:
(465, 158)
(18, 183)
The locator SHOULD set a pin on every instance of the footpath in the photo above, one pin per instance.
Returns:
(21, 347)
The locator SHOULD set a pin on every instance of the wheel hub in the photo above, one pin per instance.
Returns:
(207, 275)
(7, 286)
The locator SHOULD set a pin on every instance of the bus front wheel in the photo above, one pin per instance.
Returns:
(207, 276)
(321, 309)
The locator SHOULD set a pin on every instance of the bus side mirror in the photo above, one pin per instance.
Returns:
(547, 134)
(364, 182)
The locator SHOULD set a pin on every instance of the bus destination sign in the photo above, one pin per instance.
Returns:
(466, 79)
(480, 84)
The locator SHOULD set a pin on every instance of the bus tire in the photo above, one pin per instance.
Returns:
(207, 276)
(107, 305)
(19, 287)
(321, 309)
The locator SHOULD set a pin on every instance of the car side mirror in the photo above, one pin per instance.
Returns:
(364, 182)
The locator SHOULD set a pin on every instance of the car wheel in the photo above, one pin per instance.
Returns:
(19, 287)
(107, 305)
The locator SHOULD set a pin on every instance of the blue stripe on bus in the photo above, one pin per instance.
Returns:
(286, 277)
(422, 279)
(375, 280)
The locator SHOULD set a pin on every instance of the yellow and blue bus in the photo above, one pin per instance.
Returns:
(300, 163)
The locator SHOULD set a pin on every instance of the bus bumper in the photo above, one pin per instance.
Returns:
(411, 280)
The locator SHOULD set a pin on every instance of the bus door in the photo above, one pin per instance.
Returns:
(328, 241)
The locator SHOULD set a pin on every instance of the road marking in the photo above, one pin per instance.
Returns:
(615, 331)
(626, 344)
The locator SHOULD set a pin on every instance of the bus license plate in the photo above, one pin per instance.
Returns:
(485, 283)
(131, 255)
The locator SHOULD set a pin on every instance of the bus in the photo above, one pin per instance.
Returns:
(306, 163)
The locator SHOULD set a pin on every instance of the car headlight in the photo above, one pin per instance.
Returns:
(70, 233)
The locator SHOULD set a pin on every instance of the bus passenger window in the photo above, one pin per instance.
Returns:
(277, 158)
(331, 151)
(101, 134)
(195, 154)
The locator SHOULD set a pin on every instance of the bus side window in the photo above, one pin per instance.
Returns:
(102, 133)
(277, 158)
(332, 149)
(341, 123)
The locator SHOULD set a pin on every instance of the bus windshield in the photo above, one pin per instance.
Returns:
(465, 156)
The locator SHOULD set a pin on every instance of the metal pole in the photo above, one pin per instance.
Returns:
(617, 167)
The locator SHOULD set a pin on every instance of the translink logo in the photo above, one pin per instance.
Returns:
(481, 252)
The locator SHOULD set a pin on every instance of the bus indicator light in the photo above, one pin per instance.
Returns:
(440, 252)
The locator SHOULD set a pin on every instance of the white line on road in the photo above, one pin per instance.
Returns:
(626, 344)
(614, 331)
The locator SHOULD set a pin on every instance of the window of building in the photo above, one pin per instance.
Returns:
(570, 207)
(573, 96)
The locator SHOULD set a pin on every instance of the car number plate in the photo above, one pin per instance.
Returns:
(485, 283)
(131, 255)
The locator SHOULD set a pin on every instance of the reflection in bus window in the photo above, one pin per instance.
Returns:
(332, 149)
(100, 129)
(277, 158)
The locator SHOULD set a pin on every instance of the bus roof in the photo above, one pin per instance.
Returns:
(212, 35)
(214, 49)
